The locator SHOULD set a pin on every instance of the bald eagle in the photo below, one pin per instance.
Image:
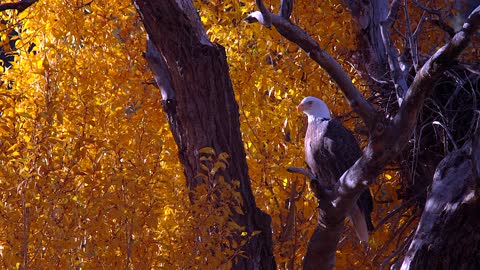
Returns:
(330, 149)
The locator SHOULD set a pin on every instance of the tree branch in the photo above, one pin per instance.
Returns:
(266, 14)
(295, 34)
(412, 41)
(286, 7)
(157, 65)
(429, 73)
(321, 192)
(301, 171)
(19, 6)
(440, 22)
(475, 153)
(387, 137)
(396, 73)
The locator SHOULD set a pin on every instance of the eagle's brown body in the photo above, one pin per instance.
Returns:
(330, 150)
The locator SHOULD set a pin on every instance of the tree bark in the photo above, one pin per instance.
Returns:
(371, 51)
(448, 235)
(200, 105)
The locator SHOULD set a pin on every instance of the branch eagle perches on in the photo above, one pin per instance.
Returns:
(387, 137)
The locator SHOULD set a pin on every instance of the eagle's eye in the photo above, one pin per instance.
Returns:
(310, 102)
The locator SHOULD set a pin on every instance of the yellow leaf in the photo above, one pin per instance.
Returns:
(207, 150)
(223, 157)
(13, 147)
(204, 167)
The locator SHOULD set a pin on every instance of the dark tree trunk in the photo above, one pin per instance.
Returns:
(448, 235)
(200, 104)
(370, 50)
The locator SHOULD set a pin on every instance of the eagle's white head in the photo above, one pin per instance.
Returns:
(314, 108)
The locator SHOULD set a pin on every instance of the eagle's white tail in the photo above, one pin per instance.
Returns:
(357, 218)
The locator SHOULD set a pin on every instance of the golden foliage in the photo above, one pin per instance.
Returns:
(89, 175)
(87, 161)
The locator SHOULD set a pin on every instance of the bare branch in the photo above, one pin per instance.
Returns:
(412, 42)
(398, 209)
(440, 22)
(444, 26)
(298, 36)
(449, 135)
(429, 73)
(302, 171)
(397, 252)
(286, 7)
(159, 69)
(398, 76)
(19, 6)
(265, 13)
(321, 192)
(420, 25)
(475, 154)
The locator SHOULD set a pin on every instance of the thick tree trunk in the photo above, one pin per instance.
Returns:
(448, 235)
(200, 104)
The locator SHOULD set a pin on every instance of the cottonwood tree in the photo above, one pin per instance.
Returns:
(88, 189)
(388, 134)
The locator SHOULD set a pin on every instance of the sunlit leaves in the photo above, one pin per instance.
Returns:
(86, 156)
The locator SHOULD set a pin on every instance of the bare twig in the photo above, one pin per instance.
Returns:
(398, 209)
(475, 154)
(321, 191)
(302, 171)
(398, 251)
(440, 22)
(411, 38)
(19, 6)
(449, 135)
